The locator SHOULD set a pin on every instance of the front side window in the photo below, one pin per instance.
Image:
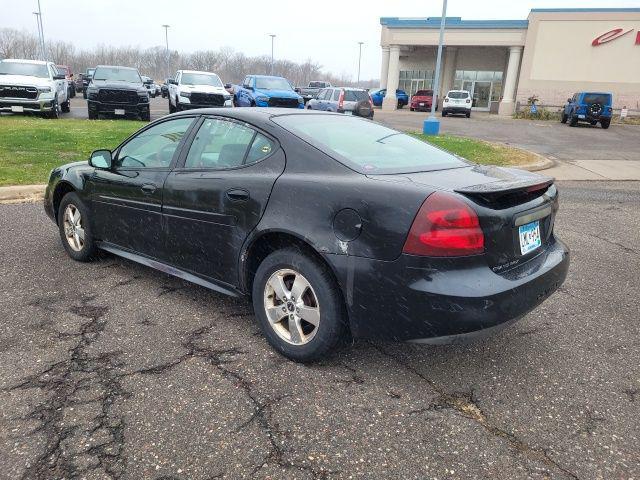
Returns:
(155, 146)
(367, 147)
(117, 74)
(221, 144)
(27, 69)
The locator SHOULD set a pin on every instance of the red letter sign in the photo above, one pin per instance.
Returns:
(638, 38)
(612, 35)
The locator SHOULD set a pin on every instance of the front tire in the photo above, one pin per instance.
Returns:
(574, 121)
(298, 305)
(564, 118)
(75, 228)
(55, 109)
(468, 114)
(66, 106)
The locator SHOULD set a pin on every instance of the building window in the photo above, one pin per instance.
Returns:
(413, 80)
(468, 79)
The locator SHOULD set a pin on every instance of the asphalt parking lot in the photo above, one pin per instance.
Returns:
(551, 139)
(112, 370)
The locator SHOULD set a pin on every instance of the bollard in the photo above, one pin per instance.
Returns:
(431, 126)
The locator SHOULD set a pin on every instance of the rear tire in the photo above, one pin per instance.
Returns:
(319, 300)
(468, 114)
(75, 228)
(605, 123)
(146, 117)
(411, 109)
(172, 109)
(444, 113)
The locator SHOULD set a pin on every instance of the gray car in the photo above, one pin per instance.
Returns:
(351, 101)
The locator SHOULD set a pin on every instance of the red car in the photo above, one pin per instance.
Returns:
(421, 100)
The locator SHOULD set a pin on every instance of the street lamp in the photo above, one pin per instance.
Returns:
(431, 125)
(359, 60)
(166, 38)
(272, 35)
(38, 15)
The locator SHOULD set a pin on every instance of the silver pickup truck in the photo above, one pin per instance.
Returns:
(311, 90)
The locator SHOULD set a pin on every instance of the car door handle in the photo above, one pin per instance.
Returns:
(237, 195)
(148, 188)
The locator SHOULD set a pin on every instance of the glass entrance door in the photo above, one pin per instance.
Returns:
(481, 95)
(416, 84)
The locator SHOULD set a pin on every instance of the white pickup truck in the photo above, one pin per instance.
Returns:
(33, 86)
(192, 89)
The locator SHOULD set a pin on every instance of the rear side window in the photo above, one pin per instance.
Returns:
(221, 144)
(367, 147)
(355, 95)
(336, 95)
(458, 95)
(601, 98)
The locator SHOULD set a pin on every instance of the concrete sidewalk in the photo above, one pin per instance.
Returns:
(594, 170)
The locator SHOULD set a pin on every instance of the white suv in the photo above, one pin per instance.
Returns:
(32, 86)
(457, 101)
(192, 89)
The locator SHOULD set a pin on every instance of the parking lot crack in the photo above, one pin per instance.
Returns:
(465, 405)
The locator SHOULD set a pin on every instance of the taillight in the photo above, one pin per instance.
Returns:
(371, 101)
(341, 100)
(445, 226)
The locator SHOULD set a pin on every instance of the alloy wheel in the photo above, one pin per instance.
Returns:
(73, 229)
(291, 306)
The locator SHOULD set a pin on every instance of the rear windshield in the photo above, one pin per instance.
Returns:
(355, 95)
(28, 69)
(601, 98)
(367, 147)
(317, 84)
(458, 95)
(424, 93)
(117, 74)
(201, 79)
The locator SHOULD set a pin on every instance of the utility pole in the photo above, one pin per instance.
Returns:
(359, 61)
(431, 125)
(166, 39)
(272, 35)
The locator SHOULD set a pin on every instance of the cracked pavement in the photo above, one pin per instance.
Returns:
(113, 370)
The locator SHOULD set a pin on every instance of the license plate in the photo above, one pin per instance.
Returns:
(348, 112)
(581, 116)
(119, 111)
(422, 104)
(17, 108)
(529, 237)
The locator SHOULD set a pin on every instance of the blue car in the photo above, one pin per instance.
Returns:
(592, 107)
(266, 91)
(378, 95)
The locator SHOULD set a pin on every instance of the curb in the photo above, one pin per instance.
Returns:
(21, 193)
(542, 162)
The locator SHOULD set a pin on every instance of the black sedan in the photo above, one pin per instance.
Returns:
(334, 226)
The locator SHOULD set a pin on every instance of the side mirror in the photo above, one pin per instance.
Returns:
(247, 86)
(172, 82)
(101, 159)
(227, 85)
(297, 90)
(59, 77)
(569, 100)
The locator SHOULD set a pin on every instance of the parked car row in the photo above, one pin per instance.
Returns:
(351, 101)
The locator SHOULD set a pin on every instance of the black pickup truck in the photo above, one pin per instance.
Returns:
(311, 90)
(117, 91)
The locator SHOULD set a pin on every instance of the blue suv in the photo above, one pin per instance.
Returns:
(266, 91)
(589, 107)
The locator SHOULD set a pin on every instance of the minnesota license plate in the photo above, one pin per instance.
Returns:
(529, 237)
(17, 108)
(119, 111)
(422, 104)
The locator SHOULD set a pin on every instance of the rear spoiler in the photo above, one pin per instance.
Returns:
(508, 181)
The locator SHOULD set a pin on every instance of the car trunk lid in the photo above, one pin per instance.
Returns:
(509, 202)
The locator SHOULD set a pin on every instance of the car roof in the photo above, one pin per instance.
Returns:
(264, 76)
(461, 91)
(251, 114)
(19, 60)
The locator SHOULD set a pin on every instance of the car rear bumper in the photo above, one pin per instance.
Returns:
(97, 107)
(426, 107)
(455, 110)
(422, 299)
(33, 106)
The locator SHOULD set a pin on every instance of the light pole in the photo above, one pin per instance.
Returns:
(272, 35)
(359, 60)
(166, 39)
(38, 15)
(431, 125)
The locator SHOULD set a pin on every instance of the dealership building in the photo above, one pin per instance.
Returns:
(552, 54)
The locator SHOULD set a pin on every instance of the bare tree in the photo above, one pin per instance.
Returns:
(230, 65)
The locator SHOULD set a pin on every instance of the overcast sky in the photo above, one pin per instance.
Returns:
(326, 31)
